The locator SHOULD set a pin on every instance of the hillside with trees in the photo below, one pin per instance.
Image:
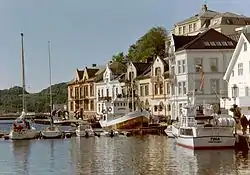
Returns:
(11, 99)
(148, 46)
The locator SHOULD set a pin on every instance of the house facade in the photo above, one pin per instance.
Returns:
(225, 23)
(109, 90)
(198, 64)
(237, 76)
(81, 93)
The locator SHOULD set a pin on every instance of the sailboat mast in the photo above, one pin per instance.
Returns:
(23, 73)
(50, 81)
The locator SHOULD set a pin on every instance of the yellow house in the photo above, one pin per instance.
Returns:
(81, 93)
(225, 23)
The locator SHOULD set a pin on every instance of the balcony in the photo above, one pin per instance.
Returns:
(104, 98)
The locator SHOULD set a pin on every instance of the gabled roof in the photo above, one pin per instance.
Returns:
(210, 39)
(117, 68)
(180, 40)
(91, 72)
(80, 73)
(243, 38)
(141, 67)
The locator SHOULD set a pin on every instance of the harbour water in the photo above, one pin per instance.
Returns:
(148, 155)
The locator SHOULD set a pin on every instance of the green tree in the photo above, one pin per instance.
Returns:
(149, 45)
(118, 57)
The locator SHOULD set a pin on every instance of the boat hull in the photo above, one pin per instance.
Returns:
(131, 120)
(206, 142)
(23, 135)
(51, 134)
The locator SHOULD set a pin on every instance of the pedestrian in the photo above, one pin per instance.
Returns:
(244, 123)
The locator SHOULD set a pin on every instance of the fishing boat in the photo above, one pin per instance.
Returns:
(52, 131)
(84, 130)
(21, 128)
(200, 128)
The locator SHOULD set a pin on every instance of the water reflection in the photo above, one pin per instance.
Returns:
(21, 152)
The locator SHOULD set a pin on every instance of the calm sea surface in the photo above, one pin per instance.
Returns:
(148, 155)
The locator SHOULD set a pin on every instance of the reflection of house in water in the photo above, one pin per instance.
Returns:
(204, 162)
(21, 151)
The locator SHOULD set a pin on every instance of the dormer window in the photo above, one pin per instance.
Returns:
(157, 71)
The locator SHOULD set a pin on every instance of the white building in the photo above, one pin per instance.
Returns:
(211, 51)
(109, 90)
(238, 75)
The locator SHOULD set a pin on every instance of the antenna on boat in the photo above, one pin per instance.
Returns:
(50, 80)
(23, 74)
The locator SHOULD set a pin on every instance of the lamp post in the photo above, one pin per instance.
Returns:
(234, 95)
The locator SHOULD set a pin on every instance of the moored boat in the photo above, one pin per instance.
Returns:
(84, 130)
(199, 131)
(52, 131)
(21, 128)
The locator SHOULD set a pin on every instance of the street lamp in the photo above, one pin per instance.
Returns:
(234, 94)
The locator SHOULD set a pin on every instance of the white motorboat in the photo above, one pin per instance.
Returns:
(168, 131)
(205, 130)
(21, 128)
(84, 130)
(52, 131)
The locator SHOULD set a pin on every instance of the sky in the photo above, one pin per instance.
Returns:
(82, 32)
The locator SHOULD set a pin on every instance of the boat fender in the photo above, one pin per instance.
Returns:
(109, 109)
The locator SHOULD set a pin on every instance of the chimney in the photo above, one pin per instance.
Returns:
(93, 65)
(204, 8)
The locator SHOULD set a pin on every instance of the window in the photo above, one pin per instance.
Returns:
(198, 63)
(157, 71)
(190, 28)
(99, 94)
(91, 90)
(71, 92)
(116, 91)
(102, 93)
(215, 86)
(245, 46)
(183, 66)
(184, 29)
(240, 69)
(141, 90)
(92, 105)
(107, 92)
(146, 90)
(179, 67)
(218, 43)
(224, 43)
(86, 92)
(206, 43)
(246, 91)
(180, 88)
(172, 89)
(156, 89)
(180, 108)
(161, 88)
(179, 30)
(184, 87)
(99, 107)
(194, 26)
(76, 92)
(71, 106)
(235, 91)
(81, 95)
(212, 43)
(168, 88)
(214, 64)
(230, 43)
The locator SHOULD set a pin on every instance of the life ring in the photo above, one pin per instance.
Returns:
(109, 109)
